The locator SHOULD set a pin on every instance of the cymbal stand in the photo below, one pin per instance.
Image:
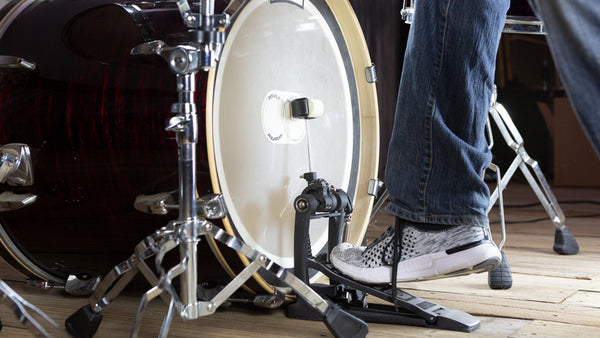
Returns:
(206, 34)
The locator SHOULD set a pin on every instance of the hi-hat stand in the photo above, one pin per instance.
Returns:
(206, 34)
(564, 241)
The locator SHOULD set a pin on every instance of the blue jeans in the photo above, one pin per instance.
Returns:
(573, 37)
(438, 149)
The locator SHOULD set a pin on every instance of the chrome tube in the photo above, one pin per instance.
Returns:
(187, 138)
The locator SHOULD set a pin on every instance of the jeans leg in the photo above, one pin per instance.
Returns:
(573, 37)
(438, 150)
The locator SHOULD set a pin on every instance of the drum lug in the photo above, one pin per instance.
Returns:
(212, 206)
(374, 186)
(14, 62)
(149, 48)
(11, 201)
(15, 164)
(371, 74)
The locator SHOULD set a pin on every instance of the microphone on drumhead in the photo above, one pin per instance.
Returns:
(305, 108)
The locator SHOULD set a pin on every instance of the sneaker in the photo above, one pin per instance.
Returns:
(423, 253)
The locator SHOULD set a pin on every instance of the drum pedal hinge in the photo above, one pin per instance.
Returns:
(371, 74)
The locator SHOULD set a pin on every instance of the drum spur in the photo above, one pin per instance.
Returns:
(321, 200)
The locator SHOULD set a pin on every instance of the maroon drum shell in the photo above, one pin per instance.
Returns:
(93, 117)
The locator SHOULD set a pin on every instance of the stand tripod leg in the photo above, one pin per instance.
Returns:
(85, 321)
(339, 322)
(564, 242)
(21, 307)
(163, 284)
(501, 276)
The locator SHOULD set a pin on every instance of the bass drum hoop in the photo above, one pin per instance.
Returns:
(369, 134)
(24, 264)
(12, 253)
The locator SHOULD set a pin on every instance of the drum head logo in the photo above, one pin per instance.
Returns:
(277, 122)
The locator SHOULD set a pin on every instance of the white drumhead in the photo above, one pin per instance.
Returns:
(277, 51)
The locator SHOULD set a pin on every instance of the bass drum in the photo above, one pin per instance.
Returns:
(93, 117)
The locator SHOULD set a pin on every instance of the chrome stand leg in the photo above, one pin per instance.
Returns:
(501, 276)
(565, 242)
(28, 313)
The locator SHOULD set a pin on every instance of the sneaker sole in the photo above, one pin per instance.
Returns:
(477, 259)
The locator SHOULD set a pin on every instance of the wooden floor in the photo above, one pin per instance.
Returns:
(552, 295)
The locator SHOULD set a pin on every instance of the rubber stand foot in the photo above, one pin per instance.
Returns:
(501, 277)
(83, 323)
(343, 324)
(564, 242)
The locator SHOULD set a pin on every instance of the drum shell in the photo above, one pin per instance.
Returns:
(94, 121)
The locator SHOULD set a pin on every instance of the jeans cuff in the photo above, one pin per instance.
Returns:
(437, 219)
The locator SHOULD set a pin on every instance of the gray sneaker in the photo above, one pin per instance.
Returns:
(421, 254)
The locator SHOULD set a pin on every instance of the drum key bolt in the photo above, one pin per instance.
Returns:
(301, 204)
(262, 259)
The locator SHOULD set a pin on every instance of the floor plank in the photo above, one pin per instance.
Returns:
(552, 295)
(541, 328)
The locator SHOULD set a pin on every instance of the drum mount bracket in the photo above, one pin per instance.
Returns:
(321, 200)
